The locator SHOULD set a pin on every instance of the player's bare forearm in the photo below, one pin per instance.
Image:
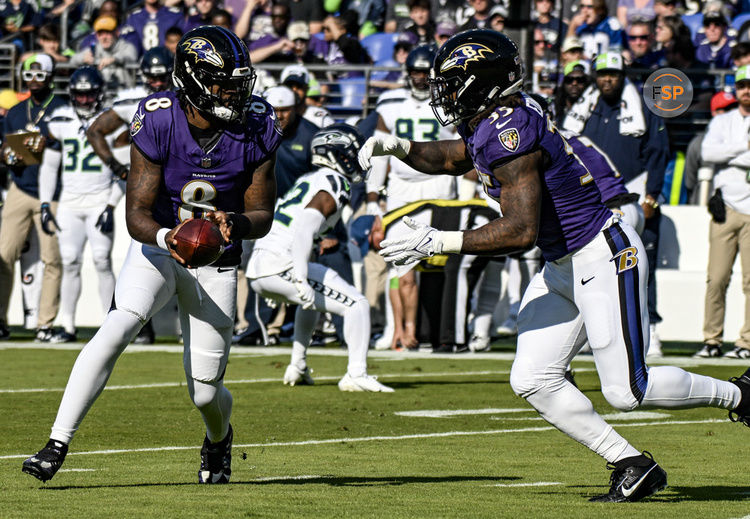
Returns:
(104, 125)
(260, 198)
(446, 157)
(140, 197)
(521, 201)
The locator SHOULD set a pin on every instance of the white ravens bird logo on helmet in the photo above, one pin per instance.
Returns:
(203, 50)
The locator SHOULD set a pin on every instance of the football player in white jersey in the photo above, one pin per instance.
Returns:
(87, 200)
(279, 267)
(406, 113)
(297, 77)
(156, 67)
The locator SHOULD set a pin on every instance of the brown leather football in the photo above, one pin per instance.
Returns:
(199, 242)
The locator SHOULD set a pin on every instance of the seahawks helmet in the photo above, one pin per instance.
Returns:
(86, 89)
(336, 147)
(420, 59)
(156, 66)
(212, 72)
(471, 71)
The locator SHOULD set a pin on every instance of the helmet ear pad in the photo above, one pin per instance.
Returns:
(471, 71)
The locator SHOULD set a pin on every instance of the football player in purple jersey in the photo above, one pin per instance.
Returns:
(593, 285)
(208, 151)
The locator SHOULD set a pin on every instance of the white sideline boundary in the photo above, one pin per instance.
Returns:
(448, 434)
(271, 351)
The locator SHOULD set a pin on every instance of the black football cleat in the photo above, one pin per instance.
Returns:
(45, 463)
(633, 479)
(741, 413)
(216, 461)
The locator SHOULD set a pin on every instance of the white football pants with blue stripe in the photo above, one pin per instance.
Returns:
(598, 293)
(332, 294)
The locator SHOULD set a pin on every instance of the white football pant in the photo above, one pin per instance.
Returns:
(77, 224)
(598, 294)
(332, 294)
(206, 299)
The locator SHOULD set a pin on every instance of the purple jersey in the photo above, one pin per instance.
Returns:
(572, 213)
(197, 180)
(607, 178)
(152, 28)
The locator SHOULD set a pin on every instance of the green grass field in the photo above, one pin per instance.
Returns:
(317, 452)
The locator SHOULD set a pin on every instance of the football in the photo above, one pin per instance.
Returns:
(199, 242)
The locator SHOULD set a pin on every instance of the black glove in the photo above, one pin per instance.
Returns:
(717, 208)
(119, 170)
(106, 221)
(48, 219)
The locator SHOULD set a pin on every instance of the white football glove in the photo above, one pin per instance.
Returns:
(423, 242)
(380, 145)
(306, 293)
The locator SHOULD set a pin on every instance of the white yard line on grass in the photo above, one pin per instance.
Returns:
(535, 484)
(448, 434)
(275, 379)
(78, 470)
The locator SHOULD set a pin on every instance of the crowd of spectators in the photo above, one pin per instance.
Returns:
(707, 39)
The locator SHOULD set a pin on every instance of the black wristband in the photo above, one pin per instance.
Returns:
(241, 226)
(118, 169)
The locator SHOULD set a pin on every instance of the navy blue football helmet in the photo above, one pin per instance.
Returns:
(472, 70)
(418, 64)
(212, 72)
(86, 89)
(336, 147)
(157, 65)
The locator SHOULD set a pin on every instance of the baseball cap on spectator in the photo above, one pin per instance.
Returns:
(313, 88)
(722, 100)
(298, 31)
(571, 43)
(406, 40)
(714, 17)
(8, 99)
(45, 62)
(105, 23)
(608, 61)
(280, 97)
(498, 10)
(576, 66)
(295, 74)
(446, 28)
(359, 232)
(742, 74)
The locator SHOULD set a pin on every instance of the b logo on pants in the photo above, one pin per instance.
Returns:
(626, 259)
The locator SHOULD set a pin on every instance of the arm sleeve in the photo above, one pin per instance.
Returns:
(304, 229)
(48, 174)
(376, 178)
(656, 158)
(718, 147)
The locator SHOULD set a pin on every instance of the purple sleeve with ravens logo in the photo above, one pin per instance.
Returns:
(509, 133)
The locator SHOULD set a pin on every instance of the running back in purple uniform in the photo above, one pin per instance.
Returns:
(592, 288)
(197, 180)
(572, 210)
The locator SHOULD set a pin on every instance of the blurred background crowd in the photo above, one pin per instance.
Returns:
(321, 61)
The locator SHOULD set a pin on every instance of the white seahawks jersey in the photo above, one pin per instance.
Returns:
(280, 239)
(412, 119)
(320, 117)
(126, 102)
(82, 171)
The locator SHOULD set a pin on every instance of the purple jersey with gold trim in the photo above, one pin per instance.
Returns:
(572, 213)
(197, 180)
(607, 178)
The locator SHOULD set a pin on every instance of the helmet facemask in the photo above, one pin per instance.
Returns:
(223, 99)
